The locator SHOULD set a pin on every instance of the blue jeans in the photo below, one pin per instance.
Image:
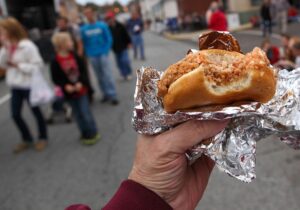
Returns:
(18, 97)
(123, 62)
(103, 71)
(138, 43)
(267, 27)
(83, 116)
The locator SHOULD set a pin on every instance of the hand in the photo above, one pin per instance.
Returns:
(70, 88)
(129, 46)
(161, 165)
(78, 86)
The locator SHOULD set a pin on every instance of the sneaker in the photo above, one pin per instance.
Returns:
(91, 141)
(40, 145)
(21, 147)
(104, 99)
(129, 78)
(114, 102)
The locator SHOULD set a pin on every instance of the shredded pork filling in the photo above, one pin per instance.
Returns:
(219, 69)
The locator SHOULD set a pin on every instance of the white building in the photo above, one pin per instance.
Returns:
(162, 9)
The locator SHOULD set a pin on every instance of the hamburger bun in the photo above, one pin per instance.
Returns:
(217, 77)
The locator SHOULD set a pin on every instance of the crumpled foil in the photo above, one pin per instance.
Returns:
(234, 148)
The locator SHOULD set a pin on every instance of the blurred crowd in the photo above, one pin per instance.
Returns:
(286, 56)
(271, 13)
(79, 50)
(278, 12)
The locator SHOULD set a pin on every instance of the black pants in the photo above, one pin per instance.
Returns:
(18, 97)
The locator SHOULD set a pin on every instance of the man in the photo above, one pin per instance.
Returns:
(265, 13)
(281, 11)
(62, 25)
(135, 26)
(121, 42)
(97, 42)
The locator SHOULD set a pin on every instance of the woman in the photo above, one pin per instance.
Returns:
(20, 57)
(217, 20)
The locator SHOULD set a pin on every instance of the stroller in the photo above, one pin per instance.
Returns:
(59, 108)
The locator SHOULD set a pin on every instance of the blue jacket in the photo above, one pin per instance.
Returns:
(135, 27)
(97, 39)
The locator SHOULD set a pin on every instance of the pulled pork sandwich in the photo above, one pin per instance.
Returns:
(217, 77)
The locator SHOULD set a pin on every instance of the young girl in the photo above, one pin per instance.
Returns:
(69, 72)
(20, 57)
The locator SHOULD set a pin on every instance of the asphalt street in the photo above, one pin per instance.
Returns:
(67, 172)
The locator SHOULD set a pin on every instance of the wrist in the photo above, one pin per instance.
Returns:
(134, 196)
(142, 180)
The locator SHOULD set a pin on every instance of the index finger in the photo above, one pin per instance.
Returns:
(191, 133)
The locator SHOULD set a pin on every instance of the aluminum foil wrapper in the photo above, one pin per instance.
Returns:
(234, 148)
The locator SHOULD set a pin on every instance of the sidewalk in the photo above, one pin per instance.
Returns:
(293, 30)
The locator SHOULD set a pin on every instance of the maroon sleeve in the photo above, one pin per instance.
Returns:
(133, 196)
(78, 207)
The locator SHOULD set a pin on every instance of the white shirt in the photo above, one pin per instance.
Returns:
(27, 58)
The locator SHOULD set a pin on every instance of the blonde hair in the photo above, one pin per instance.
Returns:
(14, 29)
(59, 40)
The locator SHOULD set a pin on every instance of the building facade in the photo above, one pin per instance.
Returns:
(68, 9)
(163, 9)
(159, 9)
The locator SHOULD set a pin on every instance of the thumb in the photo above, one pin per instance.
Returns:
(191, 133)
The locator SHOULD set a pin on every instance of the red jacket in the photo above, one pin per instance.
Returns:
(131, 196)
(218, 21)
(273, 54)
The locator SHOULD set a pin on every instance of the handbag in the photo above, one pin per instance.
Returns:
(40, 91)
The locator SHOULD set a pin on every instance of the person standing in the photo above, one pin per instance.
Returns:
(271, 51)
(121, 43)
(20, 57)
(265, 12)
(135, 27)
(218, 21)
(62, 25)
(281, 11)
(68, 72)
(97, 42)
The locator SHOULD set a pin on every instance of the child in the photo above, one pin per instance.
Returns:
(68, 71)
(272, 51)
(294, 47)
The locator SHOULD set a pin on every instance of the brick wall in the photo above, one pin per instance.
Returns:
(191, 6)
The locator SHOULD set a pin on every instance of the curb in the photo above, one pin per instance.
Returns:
(193, 36)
